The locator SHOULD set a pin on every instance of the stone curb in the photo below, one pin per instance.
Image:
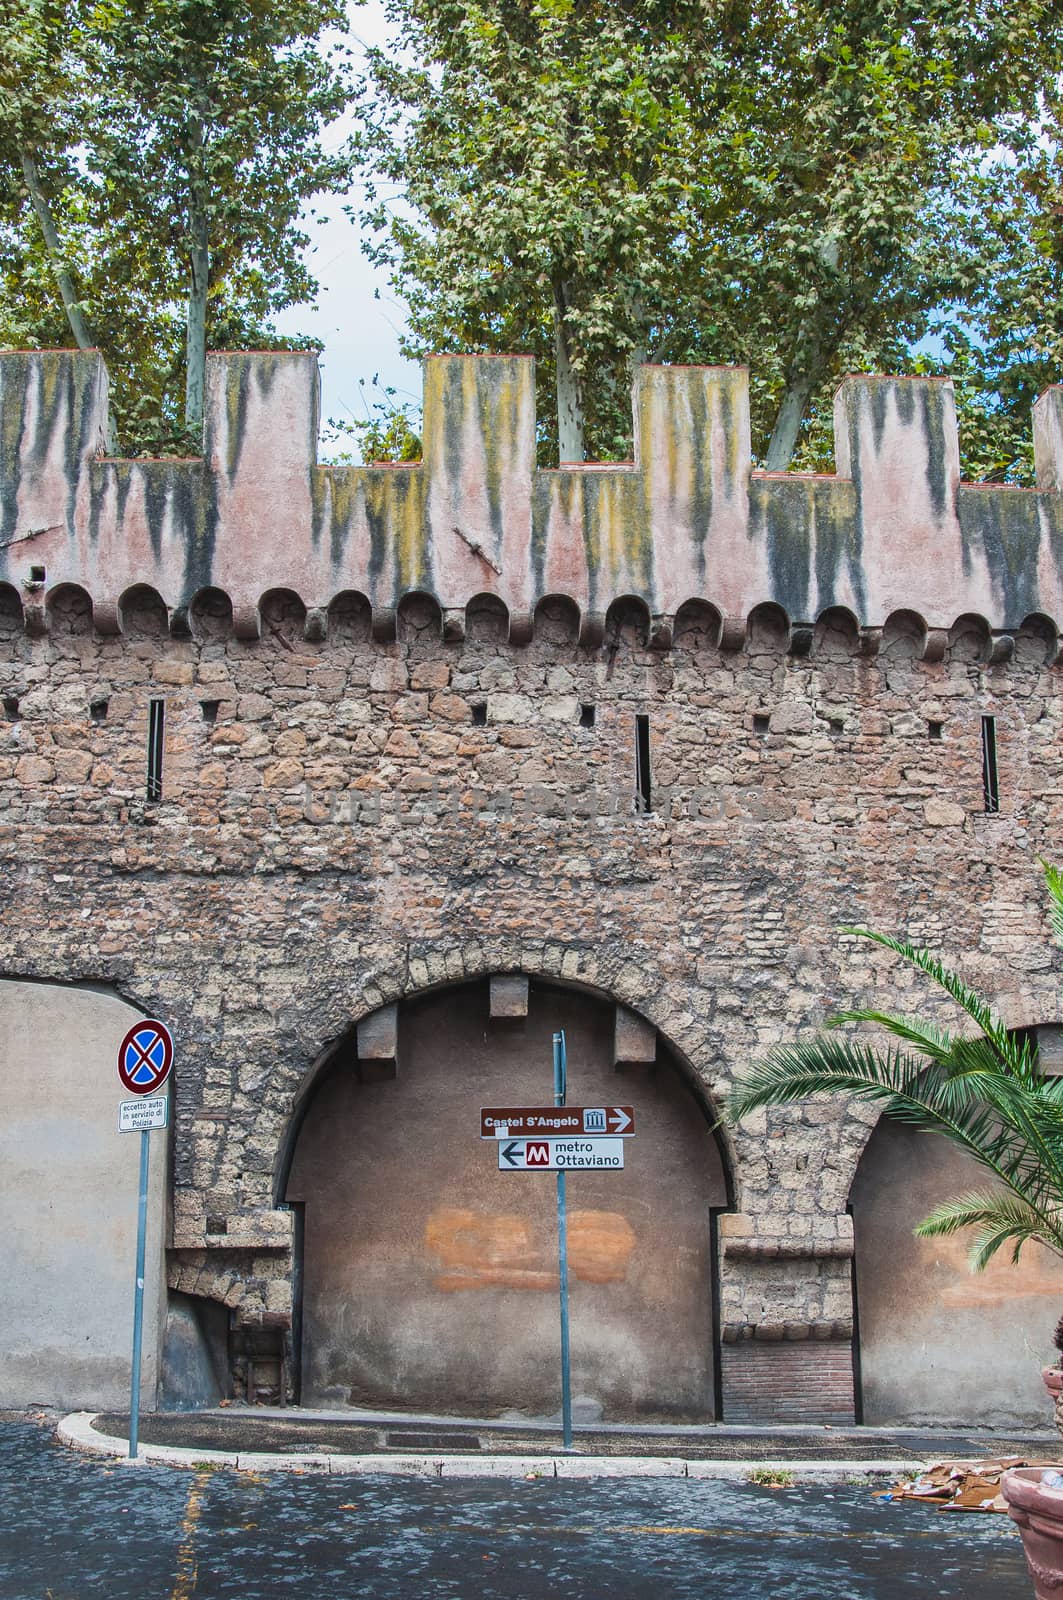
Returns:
(77, 1431)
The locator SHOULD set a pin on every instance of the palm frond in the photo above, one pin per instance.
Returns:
(968, 999)
(822, 1065)
(955, 1051)
(1007, 1129)
(1000, 1218)
(932, 1041)
(1054, 882)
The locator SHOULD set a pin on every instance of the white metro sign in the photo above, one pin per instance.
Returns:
(556, 1155)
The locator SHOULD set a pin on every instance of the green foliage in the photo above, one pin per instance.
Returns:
(157, 125)
(388, 433)
(598, 182)
(1004, 338)
(983, 1091)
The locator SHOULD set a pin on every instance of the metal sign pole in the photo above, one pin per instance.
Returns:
(138, 1297)
(560, 1085)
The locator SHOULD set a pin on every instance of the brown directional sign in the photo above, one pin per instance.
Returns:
(555, 1122)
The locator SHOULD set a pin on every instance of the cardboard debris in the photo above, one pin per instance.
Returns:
(960, 1485)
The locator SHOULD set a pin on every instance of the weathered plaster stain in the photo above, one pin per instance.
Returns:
(492, 1250)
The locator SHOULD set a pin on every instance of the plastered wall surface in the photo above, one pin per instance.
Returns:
(938, 1343)
(402, 764)
(68, 1198)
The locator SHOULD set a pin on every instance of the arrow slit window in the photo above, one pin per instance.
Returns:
(643, 791)
(156, 717)
(990, 777)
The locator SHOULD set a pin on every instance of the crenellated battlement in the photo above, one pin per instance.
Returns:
(688, 523)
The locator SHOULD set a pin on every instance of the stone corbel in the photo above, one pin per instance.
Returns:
(634, 1041)
(378, 1045)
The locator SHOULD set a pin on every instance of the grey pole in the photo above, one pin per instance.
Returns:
(138, 1297)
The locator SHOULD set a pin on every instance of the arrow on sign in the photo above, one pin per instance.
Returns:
(514, 1153)
(618, 1119)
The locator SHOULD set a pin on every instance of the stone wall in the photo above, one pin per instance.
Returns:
(368, 796)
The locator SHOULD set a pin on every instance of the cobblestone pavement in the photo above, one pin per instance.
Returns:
(83, 1529)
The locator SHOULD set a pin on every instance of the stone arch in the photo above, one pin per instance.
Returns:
(142, 613)
(627, 622)
(768, 629)
(283, 615)
(970, 639)
(210, 616)
(454, 1276)
(486, 620)
(904, 636)
(350, 618)
(1037, 641)
(638, 988)
(837, 634)
(69, 611)
(698, 626)
(11, 615)
(557, 621)
(419, 617)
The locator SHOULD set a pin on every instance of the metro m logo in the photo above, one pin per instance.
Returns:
(537, 1155)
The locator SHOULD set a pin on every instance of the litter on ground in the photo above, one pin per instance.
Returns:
(960, 1485)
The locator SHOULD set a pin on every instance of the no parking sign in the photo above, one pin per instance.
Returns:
(145, 1057)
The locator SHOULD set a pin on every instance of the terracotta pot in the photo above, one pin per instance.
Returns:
(1053, 1377)
(1039, 1515)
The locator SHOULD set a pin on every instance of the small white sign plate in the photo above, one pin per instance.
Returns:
(555, 1155)
(136, 1115)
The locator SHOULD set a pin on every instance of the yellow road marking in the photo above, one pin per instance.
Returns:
(722, 1531)
(187, 1566)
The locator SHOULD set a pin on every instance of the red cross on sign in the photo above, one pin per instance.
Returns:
(145, 1057)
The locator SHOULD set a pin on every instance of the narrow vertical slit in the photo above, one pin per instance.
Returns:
(858, 1374)
(643, 793)
(990, 778)
(298, 1210)
(156, 713)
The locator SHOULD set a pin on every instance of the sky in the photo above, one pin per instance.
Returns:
(358, 318)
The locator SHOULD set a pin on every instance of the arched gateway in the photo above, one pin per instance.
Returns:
(429, 1277)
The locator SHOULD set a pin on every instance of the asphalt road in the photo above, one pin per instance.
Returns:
(75, 1528)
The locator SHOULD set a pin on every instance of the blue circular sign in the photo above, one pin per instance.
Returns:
(145, 1057)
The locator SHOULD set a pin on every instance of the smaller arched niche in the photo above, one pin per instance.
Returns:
(430, 1276)
(939, 1344)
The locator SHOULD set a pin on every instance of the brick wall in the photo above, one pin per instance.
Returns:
(777, 1383)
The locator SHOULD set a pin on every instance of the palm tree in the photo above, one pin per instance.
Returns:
(983, 1090)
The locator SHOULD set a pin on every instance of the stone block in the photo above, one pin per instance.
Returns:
(634, 1040)
(509, 996)
(495, 1466)
(1050, 1050)
(944, 814)
(34, 770)
(378, 1044)
(176, 673)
